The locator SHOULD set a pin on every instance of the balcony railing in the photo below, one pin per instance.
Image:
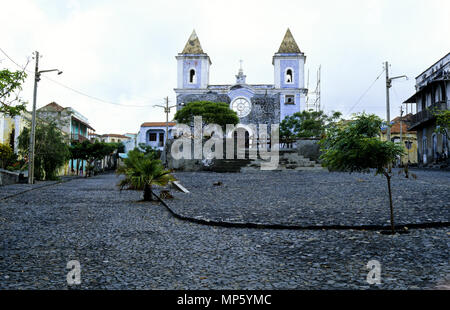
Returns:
(78, 137)
(427, 114)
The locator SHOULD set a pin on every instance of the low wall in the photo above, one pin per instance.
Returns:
(8, 177)
(192, 164)
(181, 164)
(308, 148)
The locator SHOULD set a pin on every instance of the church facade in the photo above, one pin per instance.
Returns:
(254, 103)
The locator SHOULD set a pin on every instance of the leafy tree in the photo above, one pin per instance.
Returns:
(307, 124)
(51, 150)
(6, 155)
(356, 146)
(141, 172)
(10, 86)
(90, 152)
(211, 112)
(443, 123)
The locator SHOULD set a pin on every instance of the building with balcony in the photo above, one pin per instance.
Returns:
(71, 122)
(432, 95)
(68, 120)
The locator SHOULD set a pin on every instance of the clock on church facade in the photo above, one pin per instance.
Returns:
(253, 103)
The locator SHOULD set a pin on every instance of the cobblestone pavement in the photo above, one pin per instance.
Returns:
(314, 198)
(125, 244)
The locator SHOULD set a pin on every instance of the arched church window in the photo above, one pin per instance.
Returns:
(289, 76)
(192, 77)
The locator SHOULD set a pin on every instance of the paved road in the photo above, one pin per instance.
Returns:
(125, 244)
(302, 198)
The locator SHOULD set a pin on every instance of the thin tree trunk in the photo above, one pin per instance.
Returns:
(388, 177)
(148, 193)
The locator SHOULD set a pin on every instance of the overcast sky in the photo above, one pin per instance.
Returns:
(124, 51)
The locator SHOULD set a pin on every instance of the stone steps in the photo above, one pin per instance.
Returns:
(229, 165)
(289, 160)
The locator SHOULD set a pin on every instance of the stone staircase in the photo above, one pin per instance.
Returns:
(229, 165)
(289, 160)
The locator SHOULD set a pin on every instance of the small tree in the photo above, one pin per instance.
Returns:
(307, 124)
(6, 155)
(356, 146)
(211, 112)
(154, 153)
(51, 150)
(141, 172)
(10, 86)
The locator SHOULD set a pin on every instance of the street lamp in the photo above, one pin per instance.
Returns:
(37, 78)
(389, 85)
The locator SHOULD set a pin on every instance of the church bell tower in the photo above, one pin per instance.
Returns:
(193, 65)
(289, 63)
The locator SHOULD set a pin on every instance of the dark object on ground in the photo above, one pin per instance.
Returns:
(217, 183)
(165, 194)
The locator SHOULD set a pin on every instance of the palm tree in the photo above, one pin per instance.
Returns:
(142, 172)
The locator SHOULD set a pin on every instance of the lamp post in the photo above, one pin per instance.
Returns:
(37, 78)
(389, 85)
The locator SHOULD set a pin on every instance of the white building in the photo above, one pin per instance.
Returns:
(131, 143)
(113, 137)
(154, 134)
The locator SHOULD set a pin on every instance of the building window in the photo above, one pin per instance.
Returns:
(289, 77)
(192, 76)
(152, 136)
(161, 139)
(289, 99)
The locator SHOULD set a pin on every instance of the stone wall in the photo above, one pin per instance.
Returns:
(8, 177)
(196, 164)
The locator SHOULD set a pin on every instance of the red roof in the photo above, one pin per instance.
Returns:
(157, 124)
(53, 106)
(395, 128)
(115, 135)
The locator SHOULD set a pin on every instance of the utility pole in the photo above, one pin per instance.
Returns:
(37, 78)
(401, 118)
(33, 123)
(388, 109)
(167, 111)
(401, 131)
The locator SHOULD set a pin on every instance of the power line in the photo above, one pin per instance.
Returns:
(367, 90)
(77, 91)
(93, 97)
(12, 60)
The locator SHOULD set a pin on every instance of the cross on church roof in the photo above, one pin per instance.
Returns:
(240, 77)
